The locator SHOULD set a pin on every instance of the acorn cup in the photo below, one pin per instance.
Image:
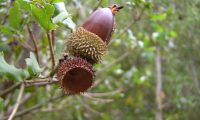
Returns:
(75, 75)
(86, 46)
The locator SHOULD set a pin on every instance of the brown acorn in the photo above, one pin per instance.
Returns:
(90, 41)
(75, 75)
(101, 22)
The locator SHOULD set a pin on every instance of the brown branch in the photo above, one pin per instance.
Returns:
(10, 89)
(131, 23)
(51, 74)
(23, 101)
(29, 83)
(159, 84)
(51, 49)
(26, 46)
(53, 37)
(35, 107)
(40, 82)
(34, 43)
(97, 6)
(21, 91)
(194, 76)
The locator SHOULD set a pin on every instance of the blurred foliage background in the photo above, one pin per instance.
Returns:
(150, 71)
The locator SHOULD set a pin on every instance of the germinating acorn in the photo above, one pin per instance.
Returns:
(75, 75)
(90, 41)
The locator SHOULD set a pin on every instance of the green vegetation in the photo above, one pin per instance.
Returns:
(149, 72)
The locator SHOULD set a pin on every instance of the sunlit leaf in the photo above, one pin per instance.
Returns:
(15, 16)
(55, 1)
(33, 66)
(43, 15)
(63, 17)
(7, 30)
(9, 71)
(158, 17)
(25, 4)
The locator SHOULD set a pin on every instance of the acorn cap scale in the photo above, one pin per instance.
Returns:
(87, 45)
(75, 75)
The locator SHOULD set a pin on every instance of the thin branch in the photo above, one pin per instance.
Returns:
(40, 82)
(10, 89)
(159, 84)
(99, 3)
(51, 74)
(26, 46)
(98, 99)
(104, 94)
(34, 43)
(29, 83)
(110, 65)
(51, 49)
(88, 107)
(131, 23)
(21, 91)
(35, 107)
(194, 76)
(53, 37)
(37, 81)
(25, 98)
(114, 62)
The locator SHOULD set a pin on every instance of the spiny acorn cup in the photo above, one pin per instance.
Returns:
(75, 75)
(90, 41)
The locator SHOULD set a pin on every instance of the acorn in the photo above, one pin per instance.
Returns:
(75, 75)
(90, 41)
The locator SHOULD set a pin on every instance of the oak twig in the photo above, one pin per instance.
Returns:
(51, 49)
(53, 37)
(99, 3)
(104, 94)
(10, 89)
(21, 91)
(159, 84)
(132, 22)
(40, 82)
(35, 107)
(34, 43)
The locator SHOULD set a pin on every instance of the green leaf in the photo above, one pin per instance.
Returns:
(25, 4)
(172, 34)
(33, 66)
(149, 4)
(56, 1)
(63, 17)
(158, 17)
(15, 16)
(43, 15)
(10, 72)
(7, 30)
(2, 1)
